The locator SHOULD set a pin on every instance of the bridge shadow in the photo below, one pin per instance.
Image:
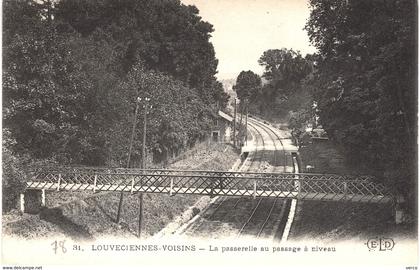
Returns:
(69, 228)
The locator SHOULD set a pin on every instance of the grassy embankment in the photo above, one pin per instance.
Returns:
(84, 215)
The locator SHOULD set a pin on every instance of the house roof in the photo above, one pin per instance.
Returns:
(227, 117)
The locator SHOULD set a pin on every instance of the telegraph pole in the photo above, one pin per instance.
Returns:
(129, 155)
(246, 123)
(234, 123)
(241, 106)
(143, 162)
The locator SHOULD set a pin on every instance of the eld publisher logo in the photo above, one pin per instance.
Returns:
(380, 243)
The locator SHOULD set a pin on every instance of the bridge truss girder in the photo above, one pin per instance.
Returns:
(304, 186)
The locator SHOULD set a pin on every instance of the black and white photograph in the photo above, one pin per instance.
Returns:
(209, 133)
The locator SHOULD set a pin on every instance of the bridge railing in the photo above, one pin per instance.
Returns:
(285, 185)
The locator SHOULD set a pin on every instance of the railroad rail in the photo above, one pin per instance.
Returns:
(268, 213)
(304, 186)
(223, 206)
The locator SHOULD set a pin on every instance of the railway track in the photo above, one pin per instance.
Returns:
(239, 217)
(266, 217)
(252, 162)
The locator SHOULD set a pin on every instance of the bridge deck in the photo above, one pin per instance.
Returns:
(327, 187)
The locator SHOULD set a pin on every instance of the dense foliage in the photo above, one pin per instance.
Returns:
(72, 72)
(248, 87)
(12, 175)
(361, 83)
(176, 118)
(283, 84)
(166, 35)
(365, 83)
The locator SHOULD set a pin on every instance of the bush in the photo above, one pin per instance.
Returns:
(13, 180)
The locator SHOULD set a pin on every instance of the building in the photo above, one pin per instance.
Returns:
(222, 128)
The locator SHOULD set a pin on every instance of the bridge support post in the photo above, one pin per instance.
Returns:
(22, 202)
(95, 179)
(254, 193)
(31, 201)
(297, 182)
(345, 189)
(43, 203)
(171, 187)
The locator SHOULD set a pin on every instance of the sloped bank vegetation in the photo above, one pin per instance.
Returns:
(87, 216)
(335, 221)
(72, 72)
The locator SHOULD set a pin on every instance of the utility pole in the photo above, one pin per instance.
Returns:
(143, 162)
(129, 156)
(143, 153)
(234, 123)
(241, 106)
(246, 123)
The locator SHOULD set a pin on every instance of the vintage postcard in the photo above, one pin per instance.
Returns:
(202, 134)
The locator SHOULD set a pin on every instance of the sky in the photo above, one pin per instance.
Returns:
(244, 29)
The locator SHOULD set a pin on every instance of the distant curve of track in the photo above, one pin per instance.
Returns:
(248, 217)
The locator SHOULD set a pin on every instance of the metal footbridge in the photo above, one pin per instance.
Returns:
(303, 186)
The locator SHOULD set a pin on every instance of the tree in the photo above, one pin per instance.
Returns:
(365, 81)
(282, 90)
(284, 69)
(44, 90)
(65, 97)
(178, 117)
(248, 85)
(166, 35)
